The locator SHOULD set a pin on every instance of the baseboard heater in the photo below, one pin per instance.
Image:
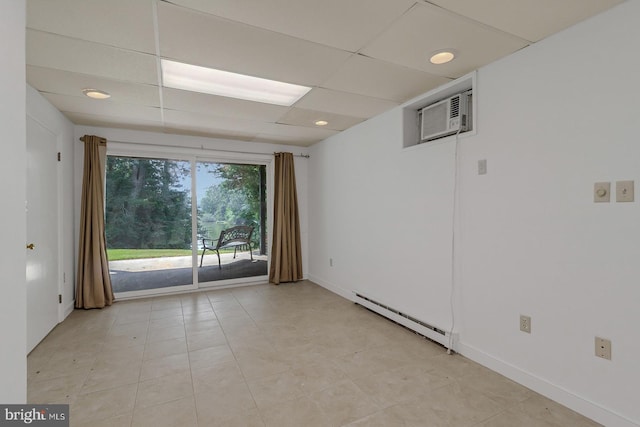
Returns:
(429, 331)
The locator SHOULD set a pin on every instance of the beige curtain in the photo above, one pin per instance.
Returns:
(93, 287)
(286, 257)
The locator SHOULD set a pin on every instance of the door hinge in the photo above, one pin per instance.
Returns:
(59, 298)
(59, 156)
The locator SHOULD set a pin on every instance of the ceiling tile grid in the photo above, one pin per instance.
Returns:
(360, 57)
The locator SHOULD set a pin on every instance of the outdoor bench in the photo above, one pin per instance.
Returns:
(234, 237)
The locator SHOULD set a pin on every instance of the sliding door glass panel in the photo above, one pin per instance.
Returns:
(148, 223)
(231, 201)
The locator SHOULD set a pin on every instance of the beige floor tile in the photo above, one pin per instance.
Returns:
(206, 339)
(109, 375)
(260, 365)
(199, 307)
(166, 313)
(165, 303)
(452, 404)
(164, 389)
(118, 421)
(541, 408)
(456, 366)
(295, 413)
(498, 388)
(250, 418)
(165, 322)
(162, 334)
(177, 413)
(276, 389)
(168, 365)
(104, 404)
(288, 355)
(199, 316)
(317, 376)
(213, 378)
(373, 360)
(513, 418)
(344, 402)
(401, 384)
(132, 317)
(210, 356)
(222, 404)
(57, 390)
(201, 326)
(127, 329)
(158, 349)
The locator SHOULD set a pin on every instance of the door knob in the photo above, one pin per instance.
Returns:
(31, 246)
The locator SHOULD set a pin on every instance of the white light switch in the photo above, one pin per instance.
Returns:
(624, 191)
(601, 192)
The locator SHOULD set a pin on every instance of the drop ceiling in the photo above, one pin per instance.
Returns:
(361, 57)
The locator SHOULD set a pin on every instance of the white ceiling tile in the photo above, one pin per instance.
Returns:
(348, 104)
(347, 25)
(60, 82)
(175, 99)
(63, 53)
(291, 133)
(105, 107)
(530, 19)
(372, 77)
(307, 118)
(123, 23)
(201, 39)
(211, 122)
(208, 133)
(286, 140)
(428, 28)
(84, 119)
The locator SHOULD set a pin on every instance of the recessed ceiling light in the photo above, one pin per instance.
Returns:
(96, 94)
(223, 83)
(442, 56)
(322, 123)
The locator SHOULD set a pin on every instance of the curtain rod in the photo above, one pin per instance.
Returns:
(305, 156)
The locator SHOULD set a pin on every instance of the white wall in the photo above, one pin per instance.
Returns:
(13, 308)
(552, 119)
(48, 116)
(383, 215)
(194, 146)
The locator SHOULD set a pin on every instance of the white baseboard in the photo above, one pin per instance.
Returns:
(564, 397)
(332, 287)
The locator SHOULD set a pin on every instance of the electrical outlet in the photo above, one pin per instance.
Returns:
(603, 348)
(602, 192)
(624, 191)
(525, 324)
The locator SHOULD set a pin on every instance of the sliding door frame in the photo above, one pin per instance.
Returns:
(193, 156)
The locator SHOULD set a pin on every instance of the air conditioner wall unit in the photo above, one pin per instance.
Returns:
(446, 117)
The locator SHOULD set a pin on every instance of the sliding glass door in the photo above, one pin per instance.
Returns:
(231, 221)
(173, 224)
(148, 223)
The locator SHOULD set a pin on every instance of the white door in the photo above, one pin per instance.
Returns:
(42, 233)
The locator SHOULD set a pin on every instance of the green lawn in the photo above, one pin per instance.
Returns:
(120, 254)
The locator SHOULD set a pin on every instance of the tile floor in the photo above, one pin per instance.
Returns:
(289, 355)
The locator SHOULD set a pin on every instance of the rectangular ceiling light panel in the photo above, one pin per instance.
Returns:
(223, 83)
